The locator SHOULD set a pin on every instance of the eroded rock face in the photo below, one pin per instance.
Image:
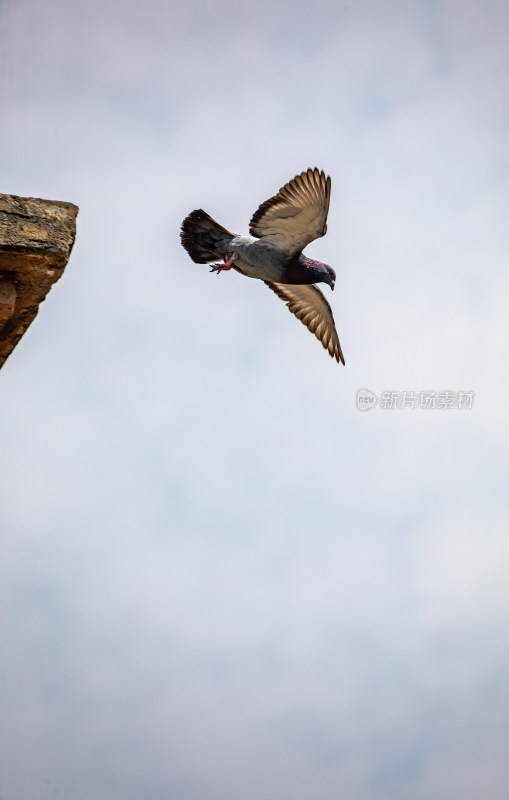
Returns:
(36, 239)
(7, 300)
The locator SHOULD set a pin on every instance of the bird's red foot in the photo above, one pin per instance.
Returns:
(217, 268)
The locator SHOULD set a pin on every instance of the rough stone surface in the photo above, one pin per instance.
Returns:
(36, 239)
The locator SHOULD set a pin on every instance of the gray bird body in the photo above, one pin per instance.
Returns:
(280, 228)
(256, 258)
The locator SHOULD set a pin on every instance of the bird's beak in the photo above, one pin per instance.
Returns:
(333, 285)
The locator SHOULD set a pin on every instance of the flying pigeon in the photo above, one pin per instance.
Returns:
(280, 229)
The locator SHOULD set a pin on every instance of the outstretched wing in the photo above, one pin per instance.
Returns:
(309, 305)
(297, 214)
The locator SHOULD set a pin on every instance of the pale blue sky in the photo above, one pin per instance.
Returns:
(219, 580)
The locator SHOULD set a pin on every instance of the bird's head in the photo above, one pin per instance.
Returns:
(329, 276)
(320, 273)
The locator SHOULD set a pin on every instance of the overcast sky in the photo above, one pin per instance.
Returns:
(219, 579)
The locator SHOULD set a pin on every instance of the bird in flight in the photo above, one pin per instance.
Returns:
(280, 229)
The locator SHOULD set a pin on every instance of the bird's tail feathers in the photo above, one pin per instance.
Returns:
(204, 239)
